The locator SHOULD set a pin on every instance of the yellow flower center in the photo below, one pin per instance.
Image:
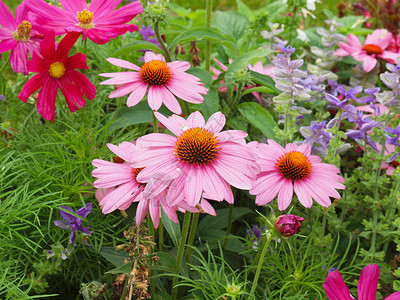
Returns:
(294, 165)
(155, 72)
(85, 18)
(57, 70)
(372, 49)
(197, 146)
(23, 32)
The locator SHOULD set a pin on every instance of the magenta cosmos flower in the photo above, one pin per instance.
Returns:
(56, 70)
(121, 188)
(336, 289)
(374, 47)
(17, 36)
(199, 161)
(283, 168)
(99, 21)
(159, 79)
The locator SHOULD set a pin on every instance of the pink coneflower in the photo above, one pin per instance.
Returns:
(374, 47)
(98, 21)
(336, 289)
(57, 70)
(17, 36)
(159, 79)
(283, 168)
(121, 188)
(199, 161)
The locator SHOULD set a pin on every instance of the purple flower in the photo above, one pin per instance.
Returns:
(365, 124)
(286, 50)
(351, 93)
(335, 100)
(316, 134)
(255, 232)
(2, 98)
(393, 140)
(147, 34)
(288, 225)
(73, 223)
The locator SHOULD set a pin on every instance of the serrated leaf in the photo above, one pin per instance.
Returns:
(230, 23)
(244, 9)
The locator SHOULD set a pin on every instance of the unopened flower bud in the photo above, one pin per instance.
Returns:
(287, 225)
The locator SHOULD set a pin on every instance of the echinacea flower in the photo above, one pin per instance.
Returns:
(199, 161)
(118, 179)
(160, 80)
(56, 70)
(374, 47)
(283, 168)
(17, 36)
(99, 21)
(73, 223)
(336, 289)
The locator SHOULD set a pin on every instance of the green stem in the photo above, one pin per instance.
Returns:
(179, 255)
(364, 80)
(161, 42)
(229, 227)
(235, 102)
(155, 123)
(209, 6)
(192, 235)
(160, 235)
(4, 65)
(260, 263)
(85, 52)
(376, 195)
(151, 233)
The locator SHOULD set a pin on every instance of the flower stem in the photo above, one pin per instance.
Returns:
(161, 42)
(155, 123)
(209, 5)
(151, 233)
(85, 52)
(179, 255)
(260, 263)
(192, 235)
(4, 65)
(160, 235)
(376, 194)
(229, 227)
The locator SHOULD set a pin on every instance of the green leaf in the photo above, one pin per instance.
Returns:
(166, 262)
(259, 89)
(244, 9)
(264, 80)
(136, 45)
(117, 258)
(209, 223)
(174, 230)
(231, 23)
(198, 33)
(140, 113)
(258, 117)
(204, 76)
(123, 269)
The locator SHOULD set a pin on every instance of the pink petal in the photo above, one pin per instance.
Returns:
(335, 288)
(141, 211)
(46, 101)
(74, 5)
(368, 283)
(369, 63)
(353, 41)
(172, 124)
(154, 208)
(178, 66)
(169, 100)
(32, 85)
(302, 193)
(216, 122)
(285, 194)
(137, 95)
(120, 77)
(193, 185)
(18, 58)
(123, 63)
(6, 18)
(154, 98)
(196, 119)
(148, 56)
